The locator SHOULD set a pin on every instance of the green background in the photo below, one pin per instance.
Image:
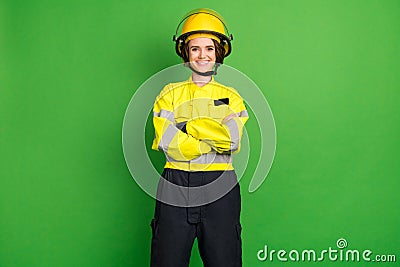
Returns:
(330, 72)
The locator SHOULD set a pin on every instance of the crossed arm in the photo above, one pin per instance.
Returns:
(202, 135)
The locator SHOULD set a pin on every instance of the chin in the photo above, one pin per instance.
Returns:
(203, 70)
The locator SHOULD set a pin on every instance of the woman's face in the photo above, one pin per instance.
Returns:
(202, 54)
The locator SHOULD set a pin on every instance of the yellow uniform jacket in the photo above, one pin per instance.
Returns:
(189, 127)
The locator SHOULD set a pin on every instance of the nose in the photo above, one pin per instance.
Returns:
(202, 53)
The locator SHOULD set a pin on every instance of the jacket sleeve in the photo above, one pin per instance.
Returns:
(223, 137)
(168, 138)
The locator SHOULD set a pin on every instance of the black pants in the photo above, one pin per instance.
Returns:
(216, 225)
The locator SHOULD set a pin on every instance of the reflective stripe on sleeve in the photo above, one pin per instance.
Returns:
(167, 137)
(169, 115)
(243, 113)
(234, 133)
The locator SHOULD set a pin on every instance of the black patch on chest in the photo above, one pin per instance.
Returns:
(221, 101)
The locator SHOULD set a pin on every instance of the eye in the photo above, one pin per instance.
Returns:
(210, 49)
(194, 49)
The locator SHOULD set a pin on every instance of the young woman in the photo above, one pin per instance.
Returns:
(198, 125)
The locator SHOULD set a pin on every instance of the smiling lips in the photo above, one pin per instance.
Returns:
(203, 64)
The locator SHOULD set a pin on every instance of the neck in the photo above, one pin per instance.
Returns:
(200, 80)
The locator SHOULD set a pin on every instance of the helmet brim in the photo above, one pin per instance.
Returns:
(225, 41)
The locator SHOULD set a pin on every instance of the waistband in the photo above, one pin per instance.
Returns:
(189, 189)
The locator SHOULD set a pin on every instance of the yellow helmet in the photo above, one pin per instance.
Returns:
(203, 22)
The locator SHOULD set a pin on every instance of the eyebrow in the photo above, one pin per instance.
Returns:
(199, 46)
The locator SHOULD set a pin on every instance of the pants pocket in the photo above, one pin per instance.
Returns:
(154, 227)
(154, 255)
(239, 231)
(239, 242)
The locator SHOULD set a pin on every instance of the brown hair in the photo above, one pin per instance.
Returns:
(219, 52)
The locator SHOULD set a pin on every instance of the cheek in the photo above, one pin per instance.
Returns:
(192, 55)
(211, 54)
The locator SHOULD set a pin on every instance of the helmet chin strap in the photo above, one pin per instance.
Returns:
(207, 73)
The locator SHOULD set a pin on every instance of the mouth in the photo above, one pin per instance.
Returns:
(203, 62)
(203, 65)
